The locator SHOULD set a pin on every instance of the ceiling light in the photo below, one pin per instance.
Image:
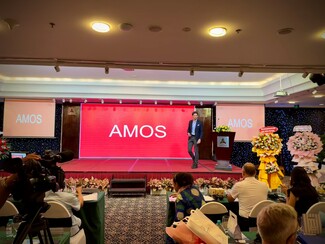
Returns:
(100, 27)
(201, 103)
(323, 35)
(120, 101)
(192, 72)
(215, 104)
(57, 68)
(155, 102)
(281, 92)
(102, 101)
(85, 101)
(314, 92)
(321, 104)
(276, 101)
(63, 100)
(70, 100)
(318, 96)
(305, 74)
(292, 102)
(189, 103)
(170, 102)
(240, 73)
(140, 102)
(217, 31)
(106, 70)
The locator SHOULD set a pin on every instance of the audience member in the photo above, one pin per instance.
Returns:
(249, 192)
(70, 201)
(302, 195)
(8, 183)
(277, 224)
(188, 196)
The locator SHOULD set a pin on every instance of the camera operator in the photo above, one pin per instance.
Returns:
(70, 201)
(8, 183)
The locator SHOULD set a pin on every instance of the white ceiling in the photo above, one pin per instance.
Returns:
(160, 62)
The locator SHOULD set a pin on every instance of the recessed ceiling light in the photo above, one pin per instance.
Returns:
(100, 27)
(292, 102)
(323, 35)
(318, 96)
(321, 104)
(217, 31)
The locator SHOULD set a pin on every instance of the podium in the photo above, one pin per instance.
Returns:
(223, 143)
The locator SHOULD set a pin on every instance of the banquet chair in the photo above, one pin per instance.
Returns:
(214, 210)
(254, 212)
(60, 221)
(7, 211)
(316, 208)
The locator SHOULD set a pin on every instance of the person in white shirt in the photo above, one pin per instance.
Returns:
(70, 201)
(249, 192)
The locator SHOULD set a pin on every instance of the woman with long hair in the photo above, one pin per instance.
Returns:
(302, 195)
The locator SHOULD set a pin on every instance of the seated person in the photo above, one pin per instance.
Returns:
(70, 201)
(277, 224)
(249, 192)
(188, 196)
(302, 195)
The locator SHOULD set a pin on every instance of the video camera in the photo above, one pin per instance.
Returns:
(37, 177)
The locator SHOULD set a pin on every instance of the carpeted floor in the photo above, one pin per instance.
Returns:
(135, 219)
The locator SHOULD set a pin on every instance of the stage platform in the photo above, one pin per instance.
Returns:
(151, 168)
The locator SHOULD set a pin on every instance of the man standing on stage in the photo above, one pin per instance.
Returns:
(195, 133)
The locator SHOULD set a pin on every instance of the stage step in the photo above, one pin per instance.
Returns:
(127, 186)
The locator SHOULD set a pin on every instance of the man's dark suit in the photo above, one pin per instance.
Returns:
(192, 140)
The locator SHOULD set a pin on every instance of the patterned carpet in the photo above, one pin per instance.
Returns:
(135, 220)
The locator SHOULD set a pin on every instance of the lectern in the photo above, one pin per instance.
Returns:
(223, 143)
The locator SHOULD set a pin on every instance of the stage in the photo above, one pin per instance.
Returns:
(150, 168)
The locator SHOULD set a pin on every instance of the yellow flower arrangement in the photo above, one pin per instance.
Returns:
(223, 128)
(267, 144)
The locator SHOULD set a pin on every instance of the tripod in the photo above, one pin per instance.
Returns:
(32, 226)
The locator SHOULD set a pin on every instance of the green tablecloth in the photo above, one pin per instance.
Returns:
(92, 215)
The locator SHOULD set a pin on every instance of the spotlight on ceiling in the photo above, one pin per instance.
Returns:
(140, 102)
(201, 103)
(155, 102)
(106, 70)
(189, 103)
(120, 101)
(215, 104)
(63, 100)
(276, 101)
(85, 101)
(305, 74)
(102, 101)
(192, 72)
(314, 92)
(70, 100)
(217, 31)
(170, 102)
(240, 73)
(57, 68)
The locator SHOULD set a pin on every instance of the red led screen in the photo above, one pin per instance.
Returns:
(127, 131)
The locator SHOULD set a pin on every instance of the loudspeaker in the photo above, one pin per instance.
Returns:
(317, 78)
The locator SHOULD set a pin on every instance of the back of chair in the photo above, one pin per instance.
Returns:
(213, 208)
(60, 220)
(316, 208)
(8, 209)
(258, 207)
